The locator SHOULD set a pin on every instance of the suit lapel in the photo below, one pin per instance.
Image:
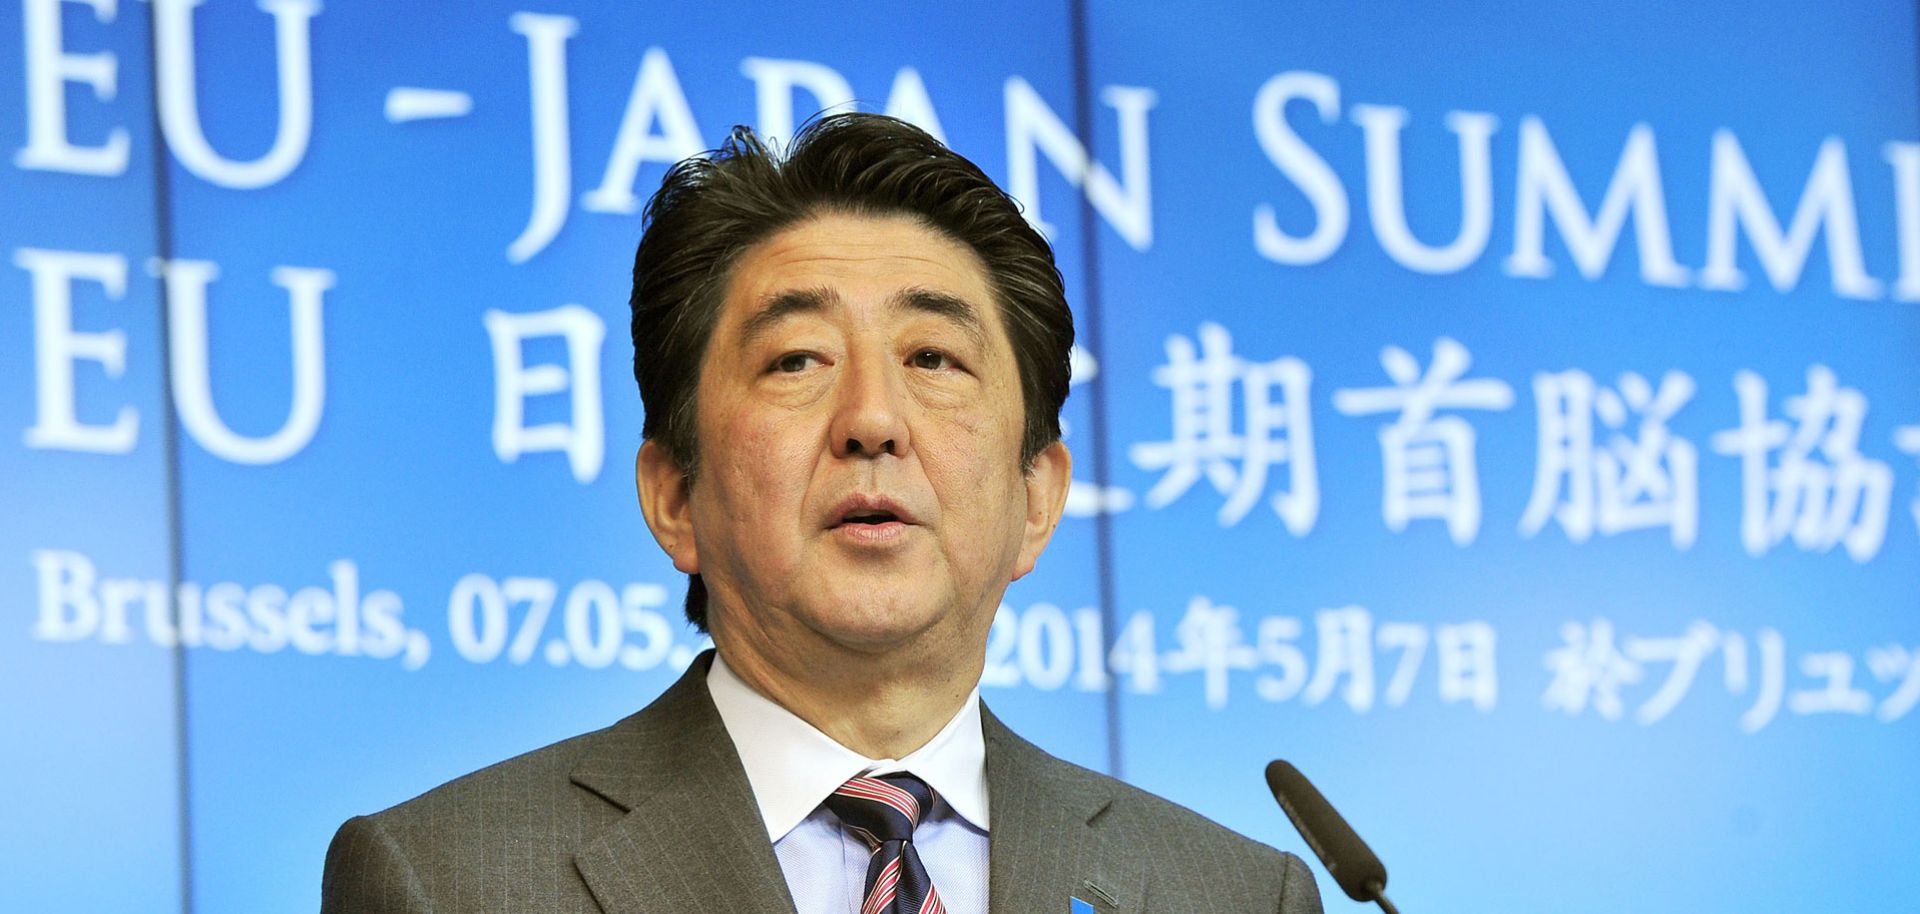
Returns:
(691, 839)
(1046, 844)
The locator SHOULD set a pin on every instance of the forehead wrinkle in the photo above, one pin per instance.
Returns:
(778, 306)
(956, 310)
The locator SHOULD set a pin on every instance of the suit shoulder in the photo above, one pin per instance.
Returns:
(528, 802)
(473, 840)
(1189, 855)
(1138, 808)
(1207, 844)
(529, 779)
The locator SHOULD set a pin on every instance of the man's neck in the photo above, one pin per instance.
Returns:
(882, 710)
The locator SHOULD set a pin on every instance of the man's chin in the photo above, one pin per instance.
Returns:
(872, 623)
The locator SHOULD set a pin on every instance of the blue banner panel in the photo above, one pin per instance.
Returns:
(87, 658)
(1520, 406)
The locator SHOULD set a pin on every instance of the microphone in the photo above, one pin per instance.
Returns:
(1352, 864)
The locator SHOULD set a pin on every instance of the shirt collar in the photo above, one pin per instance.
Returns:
(792, 766)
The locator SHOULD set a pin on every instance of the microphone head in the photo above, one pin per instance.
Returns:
(1349, 860)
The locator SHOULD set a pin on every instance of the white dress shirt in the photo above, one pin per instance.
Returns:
(793, 767)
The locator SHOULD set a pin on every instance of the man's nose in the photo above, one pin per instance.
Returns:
(871, 416)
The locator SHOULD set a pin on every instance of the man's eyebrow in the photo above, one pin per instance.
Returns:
(781, 305)
(943, 304)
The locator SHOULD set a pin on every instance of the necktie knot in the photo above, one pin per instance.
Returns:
(883, 811)
(884, 808)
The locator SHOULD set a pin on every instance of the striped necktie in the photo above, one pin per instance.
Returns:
(882, 811)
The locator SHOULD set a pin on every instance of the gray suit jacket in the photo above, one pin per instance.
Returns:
(653, 815)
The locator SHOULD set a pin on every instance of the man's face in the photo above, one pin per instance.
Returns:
(859, 419)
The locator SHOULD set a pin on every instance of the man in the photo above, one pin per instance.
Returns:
(852, 362)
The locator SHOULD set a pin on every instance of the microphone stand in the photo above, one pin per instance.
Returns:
(1379, 893)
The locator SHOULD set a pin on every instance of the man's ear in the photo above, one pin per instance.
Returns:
(1047, 482)
(666, 500)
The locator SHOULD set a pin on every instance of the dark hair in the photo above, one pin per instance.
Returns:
(710, 209)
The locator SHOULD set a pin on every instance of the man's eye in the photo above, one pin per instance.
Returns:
(793, 362)
(931, 359)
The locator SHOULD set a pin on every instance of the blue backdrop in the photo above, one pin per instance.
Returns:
(1510, 416)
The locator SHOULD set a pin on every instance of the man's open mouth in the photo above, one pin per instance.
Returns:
(870, 517)
(870, 511)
